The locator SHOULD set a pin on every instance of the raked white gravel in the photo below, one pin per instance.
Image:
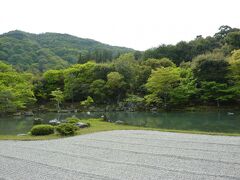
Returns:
(122, 155)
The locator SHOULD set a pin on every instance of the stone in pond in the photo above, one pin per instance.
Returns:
(54, 122)
(17, 114)
(119, 122)
(81, 125)
(29, 113)
(37, 121)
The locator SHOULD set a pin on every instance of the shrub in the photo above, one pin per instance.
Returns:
(72, 120)
(66, 129)
(43, 129)
(89, 125)
(88, 102)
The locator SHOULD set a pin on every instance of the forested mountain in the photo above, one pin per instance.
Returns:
(40, 52)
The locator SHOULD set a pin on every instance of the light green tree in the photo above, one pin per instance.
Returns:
(15, 89)
(161, 83)
(58, 97)
(88, 102)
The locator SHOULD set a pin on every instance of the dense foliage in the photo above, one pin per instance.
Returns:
(205, 71)
(15, 89)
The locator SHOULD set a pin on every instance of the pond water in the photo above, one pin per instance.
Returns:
(201, 121)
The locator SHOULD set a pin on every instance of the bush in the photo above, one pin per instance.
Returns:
(43, 129)
(66, 129)
(89, 125)
(72, 120)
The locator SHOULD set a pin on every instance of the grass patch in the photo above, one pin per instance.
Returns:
(98, 125)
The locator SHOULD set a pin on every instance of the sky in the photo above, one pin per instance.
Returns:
(138, 24)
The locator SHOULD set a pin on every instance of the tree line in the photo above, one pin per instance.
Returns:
(211, 76)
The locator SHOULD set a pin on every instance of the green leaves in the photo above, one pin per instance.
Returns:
(213, 91)
(161, 83)
(58, 97)
(15, 89)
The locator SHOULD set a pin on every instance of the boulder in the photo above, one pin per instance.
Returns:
(54, 122)
(37, 121)
(81, 125)
(104, 117)
(154, 109)
(64, 111)
(119, 122)
(17, 114)
(29, 113)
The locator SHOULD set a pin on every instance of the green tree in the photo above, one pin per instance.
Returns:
(211, 67)
(116, 86)
(58, 97)
(128, 67)
(216, 92)
(77, 81)
(157, 63)
(52, 79)
(88, 102)
(15, 89)
(161, 83)
(234, 74)
(98, 90)
(234, 61)
(186, 90)
(233, 39)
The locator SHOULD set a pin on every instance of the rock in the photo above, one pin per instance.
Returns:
(21, 134)
(153, 109)
(29, 113)
(230, 113)
(81, 125)
(119, 122)
(37, 121)
(17, 114)
(64, 111)
(88, 113)
(104, 117)
(75, 110)
(64, 121)
(54, 122)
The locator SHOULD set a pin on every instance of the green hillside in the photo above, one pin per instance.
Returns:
(40, 52)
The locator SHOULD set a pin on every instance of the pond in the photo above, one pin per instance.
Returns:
(201, 121)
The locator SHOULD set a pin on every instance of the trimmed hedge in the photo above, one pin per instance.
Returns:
(66, 129)
(43, 129)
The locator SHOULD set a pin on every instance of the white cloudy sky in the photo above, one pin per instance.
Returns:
(139, 24)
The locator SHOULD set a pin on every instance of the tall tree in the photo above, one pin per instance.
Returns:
(162, 82)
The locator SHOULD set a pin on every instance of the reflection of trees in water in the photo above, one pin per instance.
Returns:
(218, 121)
